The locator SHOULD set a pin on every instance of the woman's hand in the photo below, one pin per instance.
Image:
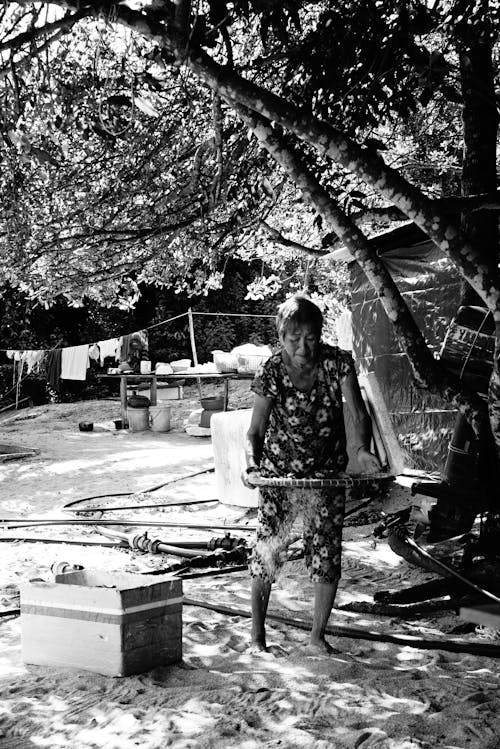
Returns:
(246, 476)
(368, 461)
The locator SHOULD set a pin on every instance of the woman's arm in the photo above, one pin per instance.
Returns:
(361, 422)
(255, 435)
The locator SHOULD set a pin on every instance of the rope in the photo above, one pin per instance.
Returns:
(158, 324)
(230, 314)
(472, 345)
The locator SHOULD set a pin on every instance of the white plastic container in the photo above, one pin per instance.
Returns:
(229, 430)
(174, 393)
(160, 418)
(180, 365)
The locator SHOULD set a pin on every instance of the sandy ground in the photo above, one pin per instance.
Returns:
(370, 694)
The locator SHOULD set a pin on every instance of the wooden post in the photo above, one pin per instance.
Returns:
(193, 345)
(123, 400)
(18, 383)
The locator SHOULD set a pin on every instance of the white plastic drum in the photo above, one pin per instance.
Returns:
(229, 430)
(160, 418)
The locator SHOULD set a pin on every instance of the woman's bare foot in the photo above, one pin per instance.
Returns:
(258, 646)
(320, 646)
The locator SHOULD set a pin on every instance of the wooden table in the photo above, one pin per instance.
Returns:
(152, 379)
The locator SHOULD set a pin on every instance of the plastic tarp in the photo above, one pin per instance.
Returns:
(431, 287)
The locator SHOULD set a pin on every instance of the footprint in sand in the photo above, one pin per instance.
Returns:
(370, 738)
(236, 643)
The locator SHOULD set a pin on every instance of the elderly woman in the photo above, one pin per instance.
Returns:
(297, 429)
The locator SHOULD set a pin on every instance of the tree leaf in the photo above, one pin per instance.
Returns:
(146, 106)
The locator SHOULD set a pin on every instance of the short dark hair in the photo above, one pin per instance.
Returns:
(299, 310)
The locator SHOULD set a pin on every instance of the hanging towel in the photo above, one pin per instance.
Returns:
(75, 362)
(53, 365)
(124, 346)
(108, 348)
(94, 352)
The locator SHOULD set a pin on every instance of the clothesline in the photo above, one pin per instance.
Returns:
(72, 362)
(164, 322)
(231, 314)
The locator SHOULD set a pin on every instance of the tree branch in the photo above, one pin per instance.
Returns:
(217, 118)
(365, 162)
(36, 32)
(280, 239)
(427, 372)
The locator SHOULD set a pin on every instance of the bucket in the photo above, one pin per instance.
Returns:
(138, 419)
(160, 418)
(212, 403)
(206, 417)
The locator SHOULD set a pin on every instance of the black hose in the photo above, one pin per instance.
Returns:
(146, 507)
(145, 491)
(212, 573)
(453, 646)
(9, 612)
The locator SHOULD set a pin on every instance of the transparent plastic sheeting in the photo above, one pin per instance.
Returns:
(431, 287)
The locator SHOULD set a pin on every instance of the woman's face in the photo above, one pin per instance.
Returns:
(301, 343)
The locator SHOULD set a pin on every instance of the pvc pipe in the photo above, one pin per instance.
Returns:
(153, 546)
(71, 542)
(131, 522)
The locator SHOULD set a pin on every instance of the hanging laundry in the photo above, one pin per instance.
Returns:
(15, 354)
(53, 366)
(140, 335)
(33, 359)
(94, 352)
(108, 348)
(75, 362)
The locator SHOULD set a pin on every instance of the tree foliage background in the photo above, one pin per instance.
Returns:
(152, 142)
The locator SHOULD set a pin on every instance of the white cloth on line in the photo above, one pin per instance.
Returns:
(108, 348)
(33, 359)
(75, 362)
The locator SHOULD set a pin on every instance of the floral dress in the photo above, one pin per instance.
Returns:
(305, 437)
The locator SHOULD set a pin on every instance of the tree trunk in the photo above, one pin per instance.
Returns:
(480, 130)
(426, 370)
